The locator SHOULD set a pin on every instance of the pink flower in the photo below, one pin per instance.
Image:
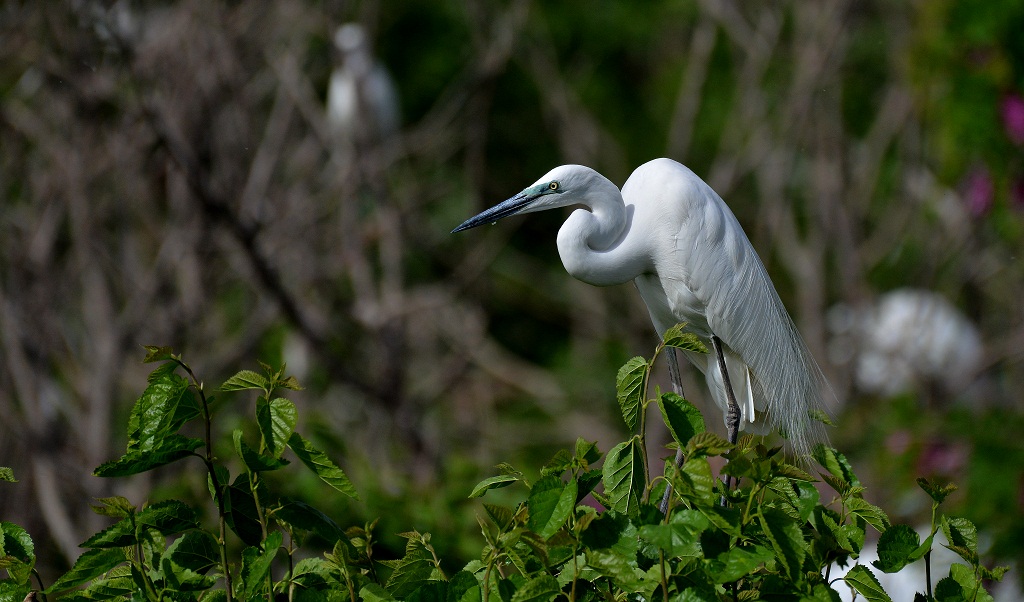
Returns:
(979, 191)
(1013, 117)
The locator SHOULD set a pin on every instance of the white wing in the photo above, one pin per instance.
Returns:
(713, 279)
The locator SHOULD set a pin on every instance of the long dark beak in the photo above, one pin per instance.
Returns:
(504, 209)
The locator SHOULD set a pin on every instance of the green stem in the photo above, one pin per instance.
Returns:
(218, 492)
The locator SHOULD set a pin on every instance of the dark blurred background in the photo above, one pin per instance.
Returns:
(170, 174)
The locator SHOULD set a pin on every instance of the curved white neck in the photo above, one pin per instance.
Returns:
(596, 244)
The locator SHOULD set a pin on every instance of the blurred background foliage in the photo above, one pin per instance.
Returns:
(169, 175)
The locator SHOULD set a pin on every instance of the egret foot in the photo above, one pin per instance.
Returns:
(732, 415)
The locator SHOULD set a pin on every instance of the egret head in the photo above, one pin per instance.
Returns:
(562, 186)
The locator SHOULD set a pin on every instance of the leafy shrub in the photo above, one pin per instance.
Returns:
(769, 538)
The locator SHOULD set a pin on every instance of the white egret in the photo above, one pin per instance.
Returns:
(362, 102)
(677, 240)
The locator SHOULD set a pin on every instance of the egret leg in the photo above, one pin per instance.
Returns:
(732, 416)
(677, 387)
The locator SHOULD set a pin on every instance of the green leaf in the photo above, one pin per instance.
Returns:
(168, 517)
(961, 533)
(301, 515)
(256, 564)
(153, 416)
(170, 449)
(551, 502)
(895, 548)
(10, 591)
(622, 570)
(629, 386)
(495, 482)
(586, 452)
(6, 474)
(321, 465)
(836, 464)
(89, 566)
(463, 587)
(623, 475)
(675, 337)
(786, 539)
(195, 550)
(118, 535)
(114, 507)
(699, 484)
(241, 513)
(558, 464)
(277, 419)
(372, 592)
(155, 353)
(253, 461)
(538, 589)
(118, 587)
(938, 493)
(865, 582)
(739, 562)
(244, 380)
(501, 516)
(874, 515)
(412, 570)
(17, 552)
(682, 418)
(707, 444)
(681, 536)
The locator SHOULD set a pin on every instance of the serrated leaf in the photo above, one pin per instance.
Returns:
(739, 562)
(621, 569)
(170, 449)
(321, 465)
(256, 564)
(240, 511)
(301, 515)
(961, 532)
(682, 418)
(836, 464)
(895, 548)
(118, 535)
(156, 353)
(113, 588)
(786, 539)
(17, 548)
(872, 514)
(495, 482)
(89, 565)
(822, 417)
(6, 474)
(501, 516)
(551, 502)
(558, 464)
(629, 387)
(195, 550)
(251, 459)
(463, 587)
(707, 444)
(538, 589)
(114, 507)
(676, 337)
(412, 570)
(624, 477)
(168, 517)
(866, 584)
(681, 536)
(244, 380)
(276, 419)
(938, 493)
(586, 452)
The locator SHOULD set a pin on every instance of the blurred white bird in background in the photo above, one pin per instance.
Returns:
(909, 339)
(362, 101)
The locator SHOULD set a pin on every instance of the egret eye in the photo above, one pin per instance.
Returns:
(553, 186)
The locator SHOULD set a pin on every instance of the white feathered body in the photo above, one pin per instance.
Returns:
(692, 262)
